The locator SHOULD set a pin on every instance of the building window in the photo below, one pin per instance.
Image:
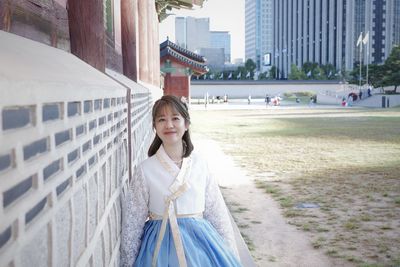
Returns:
(109, 21)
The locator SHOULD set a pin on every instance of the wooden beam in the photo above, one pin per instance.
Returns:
(87, 33)
(5, 15)
(130, 38)
(143, 41)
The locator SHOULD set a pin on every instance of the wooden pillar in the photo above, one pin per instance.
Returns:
(130, 38)
(5, 15)
(87, 33)
(151, 10)
(156, 57)
(143, 41)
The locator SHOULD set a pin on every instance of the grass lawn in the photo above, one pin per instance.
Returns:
(345, 160)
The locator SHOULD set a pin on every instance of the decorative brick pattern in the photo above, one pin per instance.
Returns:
(51, 111)
(17, 117)
(63, 165)
(6, 161)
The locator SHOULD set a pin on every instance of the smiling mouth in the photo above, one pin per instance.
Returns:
(169, 132)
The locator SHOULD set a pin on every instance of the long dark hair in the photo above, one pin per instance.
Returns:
(174, 103)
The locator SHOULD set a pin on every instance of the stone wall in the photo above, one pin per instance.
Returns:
(69, 136)
(259, 89)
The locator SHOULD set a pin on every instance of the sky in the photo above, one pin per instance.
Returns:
(225, 15)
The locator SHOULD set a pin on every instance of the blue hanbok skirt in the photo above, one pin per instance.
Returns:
(202, 244)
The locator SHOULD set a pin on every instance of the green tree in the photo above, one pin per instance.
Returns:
(242, 71)
(310, 69)
(392, 69)
(355, 74)
(328, 71)
(319, 73)
(250, 65)
(296, 73)
(264, 76)
(273, 72)
(376, 74)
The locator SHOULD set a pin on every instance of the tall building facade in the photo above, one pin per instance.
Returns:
(221, 39)
(321, 31)
(192, 33)
(180, 31)
(259, 28)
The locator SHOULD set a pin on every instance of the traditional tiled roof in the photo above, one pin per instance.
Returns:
(183, 56)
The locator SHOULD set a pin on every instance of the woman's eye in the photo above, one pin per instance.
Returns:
(176, 118)
(161, 120)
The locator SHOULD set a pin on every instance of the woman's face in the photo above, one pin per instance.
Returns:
(170, 126)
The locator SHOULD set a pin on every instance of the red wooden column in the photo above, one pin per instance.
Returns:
(86, 29)
(151, 10)
(156, 49)
(143, 40)
(130, 38)
(5, 15)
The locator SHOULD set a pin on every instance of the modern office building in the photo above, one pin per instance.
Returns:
(385, 26)
(192, 33)
(259, 32)
(180, 31)
(321, 31)
(221, 39)
(215, 58)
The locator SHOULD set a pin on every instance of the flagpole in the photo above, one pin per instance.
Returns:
(367, 59)
(361, 45)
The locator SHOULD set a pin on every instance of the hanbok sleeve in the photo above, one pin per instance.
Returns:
(134, 215)
(217, 214)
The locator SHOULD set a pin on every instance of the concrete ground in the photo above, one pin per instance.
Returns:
(254, 104)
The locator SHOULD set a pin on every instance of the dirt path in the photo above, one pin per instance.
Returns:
(273, 242)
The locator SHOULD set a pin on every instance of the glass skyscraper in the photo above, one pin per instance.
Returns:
(322, 31)
(194, 34)
(259, 31)
(221, 39)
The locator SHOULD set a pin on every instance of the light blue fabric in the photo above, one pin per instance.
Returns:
(202, 244)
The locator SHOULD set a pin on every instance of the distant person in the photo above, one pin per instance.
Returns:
(343, 101)
(249, 99)
(173, 212)
(225, 98)
(311, 103)
(267, 100)
(369, 91)
(350, 101)
(360, 94)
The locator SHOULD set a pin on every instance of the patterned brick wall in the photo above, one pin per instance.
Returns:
(63, 165)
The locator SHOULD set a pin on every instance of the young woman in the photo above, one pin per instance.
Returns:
(173, 213)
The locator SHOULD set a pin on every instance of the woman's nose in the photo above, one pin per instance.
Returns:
(169, 124)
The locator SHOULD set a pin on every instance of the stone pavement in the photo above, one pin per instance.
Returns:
(255, 104)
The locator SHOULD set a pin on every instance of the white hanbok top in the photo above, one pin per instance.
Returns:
(154, 180)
